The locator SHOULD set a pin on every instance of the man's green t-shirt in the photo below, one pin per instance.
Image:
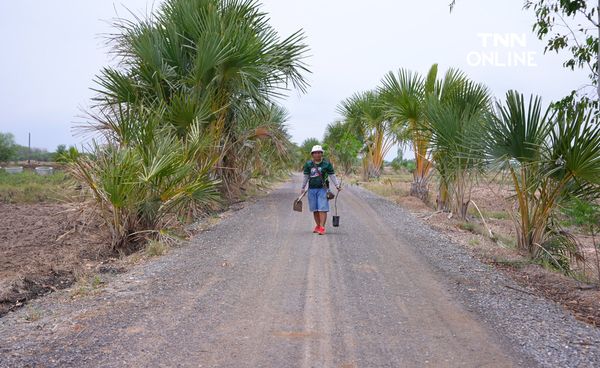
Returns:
(315, 180)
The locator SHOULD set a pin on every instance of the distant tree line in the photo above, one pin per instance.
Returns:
(11, 151)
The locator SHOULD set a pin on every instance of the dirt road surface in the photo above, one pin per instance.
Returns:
(260, 290)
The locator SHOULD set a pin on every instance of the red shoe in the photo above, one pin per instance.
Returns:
(316, 230)
(321, 231)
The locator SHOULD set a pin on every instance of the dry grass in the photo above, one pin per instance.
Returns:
(33, 314)
(29, 187)
(87, 285)
(156, 248)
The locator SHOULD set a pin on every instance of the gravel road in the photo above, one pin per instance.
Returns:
(260, 290)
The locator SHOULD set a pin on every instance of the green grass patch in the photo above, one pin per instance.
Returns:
(508, 242)
(467, 226)
(498, 215)
(29, 187)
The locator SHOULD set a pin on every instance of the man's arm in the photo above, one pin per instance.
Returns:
(304, 182)
(334, 180)
(332, 177)
(306, 171)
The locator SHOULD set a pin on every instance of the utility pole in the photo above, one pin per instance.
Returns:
(29, 152)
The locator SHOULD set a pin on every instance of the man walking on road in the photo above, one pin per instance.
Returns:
(317, 172)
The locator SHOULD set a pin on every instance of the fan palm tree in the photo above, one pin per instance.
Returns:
(141, 186)
(404, 95)
(550, 156)
(189, 106)
(456, 121)
(209, 61)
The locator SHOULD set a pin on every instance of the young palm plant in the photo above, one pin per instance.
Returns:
(456, 121)
(141, 188)
(188, 107)
(549, 157)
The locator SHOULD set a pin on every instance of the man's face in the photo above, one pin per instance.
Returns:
(317, 156)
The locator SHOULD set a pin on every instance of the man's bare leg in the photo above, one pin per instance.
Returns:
(317, 218)
(322, 218)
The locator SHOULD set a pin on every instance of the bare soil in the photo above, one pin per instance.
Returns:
(43, 248)
(582, 300)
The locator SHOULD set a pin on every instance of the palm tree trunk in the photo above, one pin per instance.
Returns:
(420, 186)
(443, 196)
(365, 168)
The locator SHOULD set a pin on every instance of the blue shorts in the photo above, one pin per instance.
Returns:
(317, 200)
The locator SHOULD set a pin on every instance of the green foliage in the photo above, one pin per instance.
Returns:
(210, 61)
(586, 214)
(398, 164)
(8, 148)
(35, 154)
(29, 187)
(61, 154)
(551, 158)
(366, 119)
(571, 25)
(189, 108)
(343, 145)
(583, 213)
(456, 120)
(405, 95)
(142, 187)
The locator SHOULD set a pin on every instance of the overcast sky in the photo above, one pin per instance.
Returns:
(51, 50)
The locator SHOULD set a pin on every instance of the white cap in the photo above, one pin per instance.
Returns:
(316, 148)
